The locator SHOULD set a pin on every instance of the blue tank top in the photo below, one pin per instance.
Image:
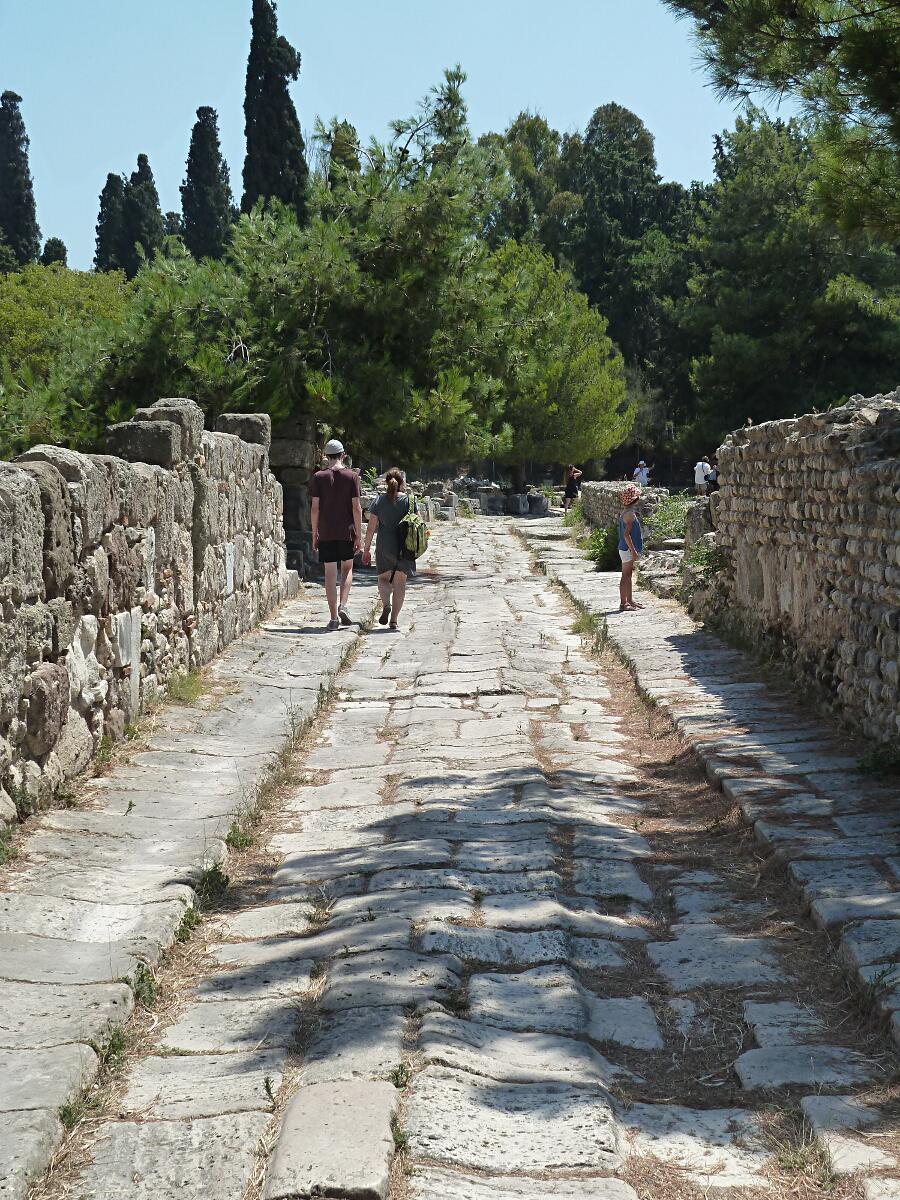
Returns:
(637, 534)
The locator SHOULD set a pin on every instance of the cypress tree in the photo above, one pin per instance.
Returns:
(109, 255)
(275, 167)
(18, 221)
(343, 151)
(54, 252)
(206, 201)
(143, 224)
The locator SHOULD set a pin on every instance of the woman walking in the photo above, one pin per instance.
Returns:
(385, 516)
(631, 543)
(572, 485)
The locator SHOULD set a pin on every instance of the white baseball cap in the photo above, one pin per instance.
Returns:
(333, 448)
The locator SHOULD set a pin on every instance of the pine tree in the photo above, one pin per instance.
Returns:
(206, 201)
(18, 221)
(54, 252)
(109, 255)
(143, 224)
(275, 167)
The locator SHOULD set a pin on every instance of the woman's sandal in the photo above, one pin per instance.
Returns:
(394, 627)
(385, 615)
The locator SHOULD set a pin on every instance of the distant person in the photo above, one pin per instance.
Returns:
(712, 479)
(571, 486)
(701, 474)
(631, 545)
(385, 516)
(641, 474)
(336, 528)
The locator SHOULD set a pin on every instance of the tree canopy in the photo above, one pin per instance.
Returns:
(206, 202)
(841, 58)
(18, 219)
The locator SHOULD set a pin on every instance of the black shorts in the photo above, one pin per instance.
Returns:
(336, 552)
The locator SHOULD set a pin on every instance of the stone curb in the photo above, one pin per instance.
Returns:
(870, 955)
(49, 1004)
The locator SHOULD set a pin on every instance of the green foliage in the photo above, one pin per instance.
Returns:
(54, 252)
(574, 516)
(781, 315)
(707, 561)
(602, 548)
(881, 760)
(186, 687)
(275, 166)
(206, 202)
(110, 244)
(212, 883)
(143, 228)
(840, 59)
(670, 517)
(18, 220)
(46, 314)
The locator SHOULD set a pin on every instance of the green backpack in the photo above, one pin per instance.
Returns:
(413, 533)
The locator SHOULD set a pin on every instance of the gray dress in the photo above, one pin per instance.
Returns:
(387, 536)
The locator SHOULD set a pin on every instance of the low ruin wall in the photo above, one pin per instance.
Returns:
(808, 520)
(602, 502)
(118, 570)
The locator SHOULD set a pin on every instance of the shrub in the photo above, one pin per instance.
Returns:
(575, 515)
(707, 561)
(602, 548)
(670, 518)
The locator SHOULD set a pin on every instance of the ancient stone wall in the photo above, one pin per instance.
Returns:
(602, 502)
(808, 520)
(117, 570)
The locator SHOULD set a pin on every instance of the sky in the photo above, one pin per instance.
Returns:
(105, 80)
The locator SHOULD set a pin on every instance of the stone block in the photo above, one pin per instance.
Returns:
(186, 414)
(249, 427)
(517, 505)
(89, 485)
(59, 545)
(21, 535)
(335, 1139)
(291, 452)
(48, 707)
(158, 443)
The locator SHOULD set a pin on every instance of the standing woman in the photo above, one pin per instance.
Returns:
(385, 516)
(631, 544)
(572, 486)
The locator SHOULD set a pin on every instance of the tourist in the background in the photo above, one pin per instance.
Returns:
(631, 544)
(571, 486)
(701, 474)
(336, 528)
(385, 516)
(712, 478)
(641, 474)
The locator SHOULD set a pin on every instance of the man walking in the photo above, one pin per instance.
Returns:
(701, 475)
(336, 528)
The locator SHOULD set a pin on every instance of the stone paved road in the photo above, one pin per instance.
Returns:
(477, 948)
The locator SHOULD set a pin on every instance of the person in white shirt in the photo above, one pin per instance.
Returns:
(641, 474)
(701, 472)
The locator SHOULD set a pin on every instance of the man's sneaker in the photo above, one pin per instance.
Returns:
(344, 616)
(332, 625)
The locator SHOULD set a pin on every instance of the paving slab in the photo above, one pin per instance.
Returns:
(881, 1189)
(34, 1014)
(701, 956)
(25, 958)
(834, 1120)
(460, 1119)
(628, 1021)
(496, 946)
(230, 1026)
(782, 1023)
(545, 999)
(484, 882)
(44, 1079)
(513, 1057)
(335, 1140)
(811, 1066)
(537, 911)
(27, 1141)
(175, 1160)
(391, 977)
(716, 1148)
(610, 879)
(431, 1183)
(202, 1085)
(83, 921)
(436, 904)
(871, 942)
(838, 910)
(263, 971)
(357, 1043)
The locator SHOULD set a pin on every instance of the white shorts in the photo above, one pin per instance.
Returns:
(626, 555)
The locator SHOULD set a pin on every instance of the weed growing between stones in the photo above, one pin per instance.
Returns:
(670, 518)
(143, 984)
(401, 1075)
(881, 761)
(186, 687)
(399, 1134)
(592, 630)
(8, 849)
(707, 561)
(575, 516)
(211, 884)
(189, 923)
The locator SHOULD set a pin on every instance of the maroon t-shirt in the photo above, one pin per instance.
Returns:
(336, 487)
